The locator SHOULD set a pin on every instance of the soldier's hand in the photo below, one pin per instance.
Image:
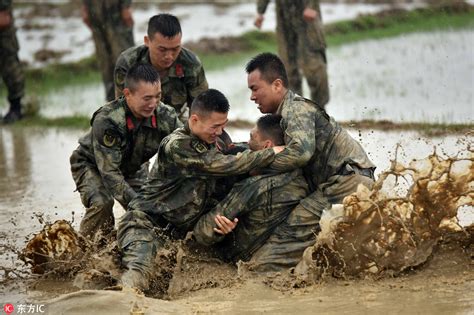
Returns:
(127, 17)
(85, 16)
(5, 19)
(278, 149)
(310, 15)
(259, 21)
(224, 225)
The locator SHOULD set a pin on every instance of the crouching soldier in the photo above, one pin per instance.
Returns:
(111, 161)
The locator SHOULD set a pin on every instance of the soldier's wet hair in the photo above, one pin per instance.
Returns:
(270, 66)
(270, 128)
(210, 101)
(166, 24)
(141, 73)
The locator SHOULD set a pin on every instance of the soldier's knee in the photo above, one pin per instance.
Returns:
(135, 226)
(102, 200)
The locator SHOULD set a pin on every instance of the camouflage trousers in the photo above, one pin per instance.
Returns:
(286, 245)
(110, 40)
(10, 67)
(97, 199)
(301, 47)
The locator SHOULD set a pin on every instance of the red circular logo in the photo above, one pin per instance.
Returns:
(8, 308)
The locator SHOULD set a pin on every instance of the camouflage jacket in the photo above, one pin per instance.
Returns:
(118, 144)
(315, 141)
(313, 4)
(260, 203)
(5, 5)
(182, 181)
(106, 10)
(185, 80)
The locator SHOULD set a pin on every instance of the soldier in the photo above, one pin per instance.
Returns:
(111, 23)
(10, 67)
(181, 185)
(301, 44)
(334, 163)
(111, 161)
(181, 72)
(259, 202)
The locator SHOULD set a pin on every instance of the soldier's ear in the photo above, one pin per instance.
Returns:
(277, 84)
(268, 144)
(146, 40)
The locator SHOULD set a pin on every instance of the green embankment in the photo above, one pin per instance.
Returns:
(385, 24)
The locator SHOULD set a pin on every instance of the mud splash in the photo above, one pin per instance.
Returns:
(397, 225)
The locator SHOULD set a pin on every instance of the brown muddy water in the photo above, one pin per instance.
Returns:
(36, 187)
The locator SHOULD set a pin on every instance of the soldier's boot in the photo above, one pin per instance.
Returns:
(14, 114)
(139, 258)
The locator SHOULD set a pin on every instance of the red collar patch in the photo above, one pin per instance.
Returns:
(179, 70)
(130, 125)
(153, 121)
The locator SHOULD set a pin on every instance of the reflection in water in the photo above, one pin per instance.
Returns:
(15, 164)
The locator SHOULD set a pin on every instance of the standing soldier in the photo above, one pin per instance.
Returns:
(181, 72)
(111, 161)
(111, 24)
(10, 67)
(301, 43)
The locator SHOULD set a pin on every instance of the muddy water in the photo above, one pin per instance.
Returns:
(35, 178)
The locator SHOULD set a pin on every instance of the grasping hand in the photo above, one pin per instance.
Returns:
(259, 21)
(310, 15)
(5, 19)
(224, 225)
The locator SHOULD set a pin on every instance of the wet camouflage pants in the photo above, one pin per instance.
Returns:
(10, 67)
(97, 199)
(286, 245)
(301, 46)
(110, 40)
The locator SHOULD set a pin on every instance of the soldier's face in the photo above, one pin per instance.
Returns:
(266, 95)
(163, 50)
(208, 127)
(257, 141)
(144, 99)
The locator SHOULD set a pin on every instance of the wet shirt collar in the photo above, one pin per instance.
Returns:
(133, 122)
(289, 96)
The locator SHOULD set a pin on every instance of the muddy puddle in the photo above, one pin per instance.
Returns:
(36, 187)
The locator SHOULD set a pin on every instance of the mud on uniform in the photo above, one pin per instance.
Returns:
(10, 67)
(333, 164)
(180, 188)
(185, 80)
(111, 161)
(111, 36)
(301, 45)
(260, 203)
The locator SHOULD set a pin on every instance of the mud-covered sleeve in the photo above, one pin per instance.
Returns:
(262, 6)
(197, 160)
(299, 129)
(312, 4)
(125, 3)
(120, 72)
(243, 198)
(108, 143)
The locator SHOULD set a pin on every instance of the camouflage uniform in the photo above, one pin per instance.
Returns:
(111, 36)
(180, 188)
(260, 203)
(333, 163)
(302, 45)
(10, 67)
(111, 161)
(185, 79)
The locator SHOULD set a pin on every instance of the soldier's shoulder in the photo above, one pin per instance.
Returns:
(165, 110)
(110, 115)
(132, 54)
(189, 58)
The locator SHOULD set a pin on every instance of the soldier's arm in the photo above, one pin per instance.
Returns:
(243, 198)
(300, 143)
(199, 161)
(120, 72)
(107, 142)
(197, 86)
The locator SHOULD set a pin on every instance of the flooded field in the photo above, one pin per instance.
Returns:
(35, 178)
